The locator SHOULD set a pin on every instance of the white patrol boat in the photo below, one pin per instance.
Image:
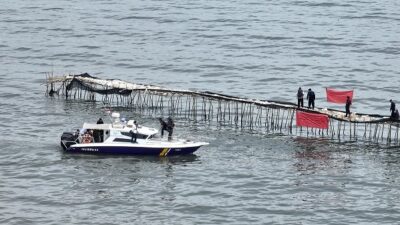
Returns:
(121, 138)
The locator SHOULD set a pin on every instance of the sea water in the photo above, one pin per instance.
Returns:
(255, 49)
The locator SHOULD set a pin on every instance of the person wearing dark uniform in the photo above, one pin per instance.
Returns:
(170, 128)
(392, 107)
(100, 121)
(311, 98)
(98, 134)
(163, 126)
(52, 92)
(134, 132)
(396, 115)
(348, 104)
(300, 96)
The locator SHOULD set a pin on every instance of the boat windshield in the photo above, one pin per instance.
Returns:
(141, 136)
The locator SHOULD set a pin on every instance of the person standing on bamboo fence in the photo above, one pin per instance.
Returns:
(392, 107)
(300, 96)
(311, 98)
(348, 104)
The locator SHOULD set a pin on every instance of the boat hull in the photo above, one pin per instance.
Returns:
(132, 150)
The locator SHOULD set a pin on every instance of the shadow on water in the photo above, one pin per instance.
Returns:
(130, 170)
(174, 160)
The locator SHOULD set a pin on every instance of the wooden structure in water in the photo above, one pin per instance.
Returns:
(270, 117)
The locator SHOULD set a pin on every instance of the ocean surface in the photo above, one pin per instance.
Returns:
(256, 49)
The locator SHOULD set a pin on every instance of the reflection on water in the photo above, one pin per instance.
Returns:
(114, 177)
(131, 159)
(318, 154)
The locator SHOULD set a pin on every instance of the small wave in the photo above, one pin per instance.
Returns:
(387, 50)
(186, 70)
(272, 79)
(321, 4)
(223, 20)
(88, 46)
(114, 33)
(43, 20)
(370, 17)
(217, 66)
(9, 95)
(273, 38)
(319, 38)
(22, 49)
(210, 35)
(302, 65)
(78, 35)
(169, 21)
(15, 21)
(360, 70)
(136, 18)
(137, 66)
(310, 55)
(213, 74)
(53, 9)
(334, 44)
(126, 65)
(208, 81)
(197, 29)
(61, 29)
(237, 47)
(277, 68)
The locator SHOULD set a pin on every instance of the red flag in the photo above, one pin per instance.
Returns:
(315, 120)
(337, 96)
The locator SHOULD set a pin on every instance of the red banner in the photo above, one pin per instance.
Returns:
(337, 96)
(315, 120)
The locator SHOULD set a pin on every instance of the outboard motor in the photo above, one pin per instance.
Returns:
(68, 139)
(68, 136)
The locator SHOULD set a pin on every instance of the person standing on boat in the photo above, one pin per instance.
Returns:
(98, 134)
(170, 128)
(163, 126)
(348, 104)
(310, 98)
(134, 132)
(100, 121)
(300, 96)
